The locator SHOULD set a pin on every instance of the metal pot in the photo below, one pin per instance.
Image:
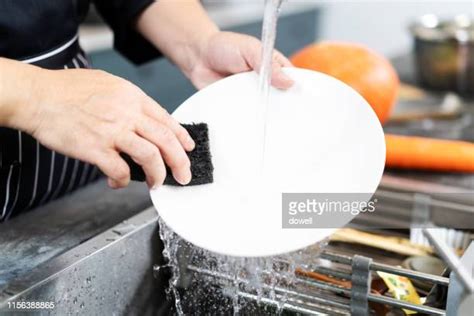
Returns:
(444, 53)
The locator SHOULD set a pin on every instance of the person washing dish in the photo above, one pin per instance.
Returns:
(60, 124)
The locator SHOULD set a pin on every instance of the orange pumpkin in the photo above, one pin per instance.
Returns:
(367, 72)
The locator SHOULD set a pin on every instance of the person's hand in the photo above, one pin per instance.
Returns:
(184, 33)
(225, 53)
(93, 116)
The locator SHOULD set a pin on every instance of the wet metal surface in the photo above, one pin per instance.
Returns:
(108, 274)
(44, 233)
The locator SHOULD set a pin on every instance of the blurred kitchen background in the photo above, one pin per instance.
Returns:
(381, 25)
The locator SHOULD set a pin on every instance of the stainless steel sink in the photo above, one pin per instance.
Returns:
(91, 253)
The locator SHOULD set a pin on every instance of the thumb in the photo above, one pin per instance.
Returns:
(280, 80)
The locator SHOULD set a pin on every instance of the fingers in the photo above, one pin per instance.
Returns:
(282, 60)
(179, 131)
(170, 147)
(155, 111)
(146, 155)
(279, 79)
(115, 168)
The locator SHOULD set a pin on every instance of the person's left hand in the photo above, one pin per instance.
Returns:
(225, 53)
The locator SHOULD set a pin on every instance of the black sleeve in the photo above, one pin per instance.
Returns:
(120, 16)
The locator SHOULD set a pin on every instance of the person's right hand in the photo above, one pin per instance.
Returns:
(93, 116)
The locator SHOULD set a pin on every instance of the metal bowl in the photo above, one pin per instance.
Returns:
(444, 53)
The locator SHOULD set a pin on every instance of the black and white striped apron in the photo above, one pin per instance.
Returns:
(30, 174)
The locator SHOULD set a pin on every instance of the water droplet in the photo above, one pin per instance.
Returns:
(258, 278)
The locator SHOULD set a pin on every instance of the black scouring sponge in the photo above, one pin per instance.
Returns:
(200, 157)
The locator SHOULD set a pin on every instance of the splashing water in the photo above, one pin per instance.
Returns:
(203, 282)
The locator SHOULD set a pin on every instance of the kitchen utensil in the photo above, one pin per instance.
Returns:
(444, 52)
(322, 136)
(449, 108)
(199, 157)
(398, 245)
(451, 259)
(410, 92)
(424, 264)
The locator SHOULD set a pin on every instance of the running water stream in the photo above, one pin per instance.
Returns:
(203, 282)
(269, 31)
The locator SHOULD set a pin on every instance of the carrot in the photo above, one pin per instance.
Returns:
(410, 152)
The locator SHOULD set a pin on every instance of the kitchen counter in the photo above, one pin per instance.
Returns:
(431, 181)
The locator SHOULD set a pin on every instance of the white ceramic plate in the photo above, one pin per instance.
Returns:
(322, 136)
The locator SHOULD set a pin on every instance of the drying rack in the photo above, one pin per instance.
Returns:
(350, 296)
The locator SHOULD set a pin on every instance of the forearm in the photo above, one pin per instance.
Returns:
(178, 29)
(16, 93)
